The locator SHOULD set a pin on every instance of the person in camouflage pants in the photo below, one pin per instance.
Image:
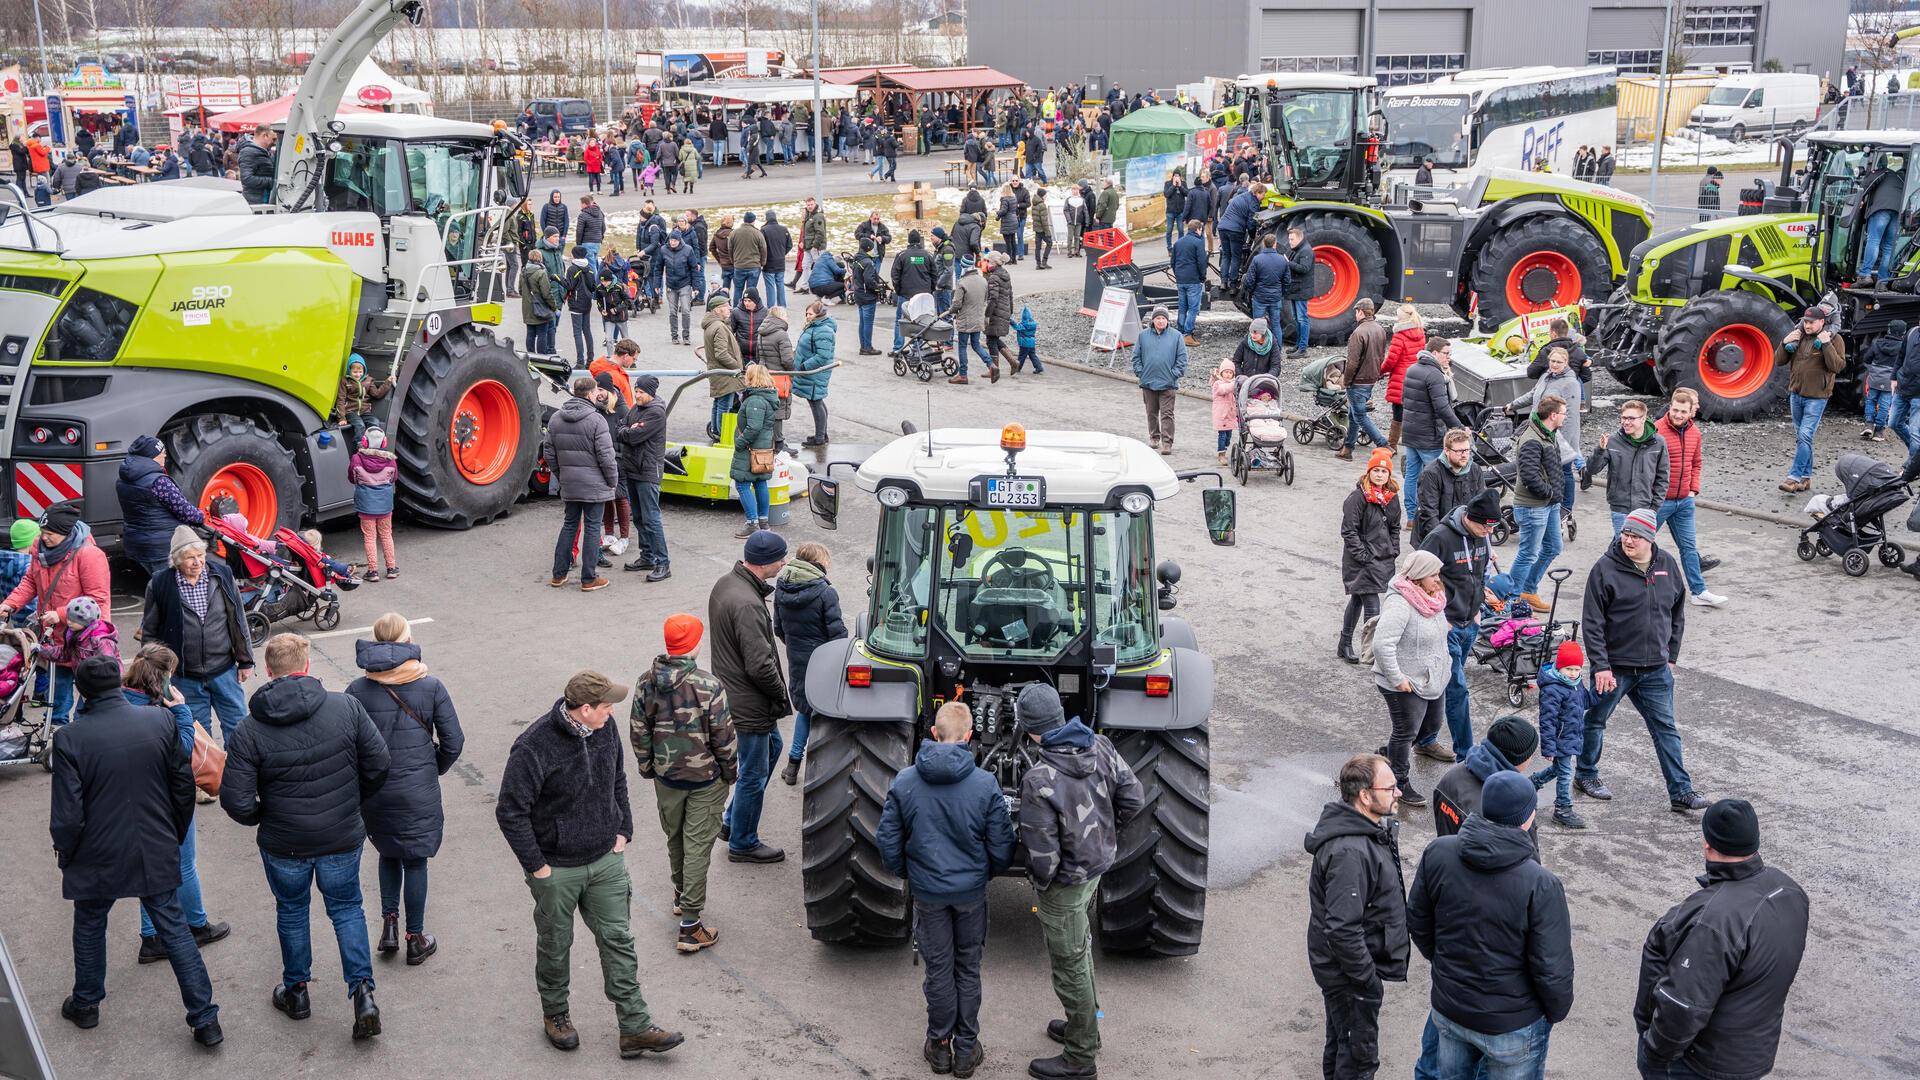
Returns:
(1073, 805)
(683, 741)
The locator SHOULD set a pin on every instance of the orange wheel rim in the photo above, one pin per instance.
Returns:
(1343, 283)
(1542, 280)
(1736, 361)
(485, 432)
(251, 490)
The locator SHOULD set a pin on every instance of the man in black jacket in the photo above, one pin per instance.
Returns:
(1633, 616)
(564, 811)
(1451, 483)
(1508, 747)
(256, 166)
(579, 450)
(299, 767)
(747, 662)
(1357, 926)
(1494, 924)
(1460, 540)
(1716, 968)
(1300, 287)
(773, 276)
(122, 805)
(1426, 413)
(643, 443)
(914, 273)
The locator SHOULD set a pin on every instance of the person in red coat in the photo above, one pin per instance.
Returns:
(1409, 337)
(595, 160)
(66, 563)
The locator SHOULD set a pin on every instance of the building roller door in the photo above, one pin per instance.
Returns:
(1624, 28)
(1310, 33)
(1441, 31)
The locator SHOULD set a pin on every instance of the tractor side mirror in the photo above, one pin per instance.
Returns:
(823, 498)
(1217, 504)
(515, 174)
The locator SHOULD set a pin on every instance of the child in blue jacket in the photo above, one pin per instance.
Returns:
(1026, 333)
(1564, 701)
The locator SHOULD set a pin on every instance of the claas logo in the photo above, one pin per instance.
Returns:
(342, 238)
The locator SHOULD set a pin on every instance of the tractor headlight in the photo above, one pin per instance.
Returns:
(1136, 502)
(893, 497)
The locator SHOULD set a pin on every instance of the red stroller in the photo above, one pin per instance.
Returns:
(283, 577)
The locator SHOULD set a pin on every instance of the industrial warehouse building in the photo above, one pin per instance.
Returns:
(1140, 44)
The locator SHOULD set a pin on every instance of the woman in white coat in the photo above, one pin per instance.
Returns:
(1410, 662)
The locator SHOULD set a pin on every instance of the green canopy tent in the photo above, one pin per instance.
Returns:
(1158, 129)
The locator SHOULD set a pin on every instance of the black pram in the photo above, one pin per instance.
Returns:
(1853, 526)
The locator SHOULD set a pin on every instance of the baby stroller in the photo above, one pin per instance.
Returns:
(926, 340)
(281, 578)
(1322, 378)
(22, 741)
(1518, 644)
(1260, 435)
(1856, 524)
(1493, 450)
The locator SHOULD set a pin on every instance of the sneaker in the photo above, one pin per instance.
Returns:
(869, 352)
(1595, 788)
(939, 1055)
(560, 1032)
(151, 951)
(676, 902)
(371, 576)
(596, 584)
(1707, 598)
(747, 530)
(558, 583)
(660, 573)
(607, 541)
(957, 380)
(1867, 434)
(1435, 751)
(1566, 818)
(1708, 562)
(696, 937)
(209, 1034)
(1879, 436)
(654, 1040)
(1690, 801)
(618, 547)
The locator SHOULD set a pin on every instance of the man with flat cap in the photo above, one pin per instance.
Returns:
(1715, 970)
(563, 809)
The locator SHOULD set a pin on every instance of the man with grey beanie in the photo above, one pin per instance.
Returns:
(1073, 804)
(1159, 359)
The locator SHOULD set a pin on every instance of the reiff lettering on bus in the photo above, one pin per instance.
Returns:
(340, 238)
(1536, 148)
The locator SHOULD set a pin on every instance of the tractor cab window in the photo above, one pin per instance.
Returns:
(902, 582)
(367, 175)
(443, 179)
(1851, 183)
(1012, 583)
(1320, 126)
(1125, 598)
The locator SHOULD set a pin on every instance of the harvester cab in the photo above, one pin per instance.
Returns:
(1004, 559)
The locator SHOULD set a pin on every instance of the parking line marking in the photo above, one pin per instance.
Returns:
(364, 629)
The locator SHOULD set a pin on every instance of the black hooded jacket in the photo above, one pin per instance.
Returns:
(1357, 929)
(1463, 564)
(1494, 923)
(299, 767)
(1632, 618)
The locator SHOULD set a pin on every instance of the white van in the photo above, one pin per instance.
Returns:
(1758, 104)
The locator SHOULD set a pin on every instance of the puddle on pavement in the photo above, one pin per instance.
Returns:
(1265, 819)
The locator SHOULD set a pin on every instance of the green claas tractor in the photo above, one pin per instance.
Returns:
(1008, 558)
(184, 309)
(1505, 244)
(1705, 305)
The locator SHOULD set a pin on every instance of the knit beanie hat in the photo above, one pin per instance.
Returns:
(1569, 654)
(62, 519)
(1514, 738)
(82, 612)
(146, 446)
(647, 384)
(1420, 563)
(683, 633)
(1038, 709)
(24, 532)
(1731, 827)
(1507, 798)
(764, 548)
(96, 677)
(183, 538)
(1381, 458)
(1640, 523)
(1484, 508)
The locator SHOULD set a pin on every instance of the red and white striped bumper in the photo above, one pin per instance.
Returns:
(39, 485)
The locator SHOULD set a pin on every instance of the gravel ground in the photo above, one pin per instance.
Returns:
(1745, 462)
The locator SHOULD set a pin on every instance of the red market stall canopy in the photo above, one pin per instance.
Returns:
(270, 112)
(966, 86)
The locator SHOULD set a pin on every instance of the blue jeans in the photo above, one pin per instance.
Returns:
(1173, 229)
(1460, 641)
(1268, 310)
(1416, 461)
(722, 405)
(800, 724)
(63, 696)
(649, 529)
(1569, 486)
(583, 520)
(1806, 413)
(1465, 1054)
(1539, 546)
(1357, 418)
(188, 894)
(90, 954)
(1651, 690)
(970, 339)
(1879, 406)
(741, 279)
(1230, 243)
(1189, 307)
(1560, 774)
(1677, 516)
(216, 694)
(899, 322)
(1300, 320)
(757, 755)
(338, 876)
(753, 498)
(408, 876)
(773, 287)
(1020, 238)
(593, 258)
(1876, 254)
(866, 325)
(1904, 419)
(699, 280)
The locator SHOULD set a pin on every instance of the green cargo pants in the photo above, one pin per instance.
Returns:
(603, 893)
(1063, 921)
(691, 820)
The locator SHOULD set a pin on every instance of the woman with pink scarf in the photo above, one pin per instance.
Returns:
(1410, 662)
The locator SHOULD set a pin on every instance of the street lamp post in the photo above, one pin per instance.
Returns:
(606, 58)
(819, 183)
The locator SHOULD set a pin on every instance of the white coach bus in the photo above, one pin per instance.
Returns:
(1513, 118)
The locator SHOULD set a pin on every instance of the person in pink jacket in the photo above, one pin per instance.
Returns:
(66, 563)
(1226, 409)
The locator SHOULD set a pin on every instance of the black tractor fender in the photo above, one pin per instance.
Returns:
(894, 694)
(1124, 704)
(1376, 224)
(1780, 290)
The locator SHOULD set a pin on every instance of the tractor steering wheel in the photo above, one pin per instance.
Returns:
(1009, 569)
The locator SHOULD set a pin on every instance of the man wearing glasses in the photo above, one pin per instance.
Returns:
(1357, 930)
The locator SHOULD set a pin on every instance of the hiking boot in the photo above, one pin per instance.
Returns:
(1057, 1031)
(596, 584)
(1435, 751)
(660, 573)
(1595, 788)
(791, 774)
(209, 1034)
(1192, 342)
(390, 932)
(993, 373)
(939, 1055)
(638, 563)
(1345, 453)
(560, 1032)
(957, 380)
(1410, 796)
(761, 854)
(654, 1040)
(366, 1014)
(1707, 598)
(419, 947)
(82, 1016)
(204, 936)
(1061, 1066)
(1535, 601)
(151, 951)
(1708, 562)
(696, 937)
(966, 1061)
(1566, 818)
(746, 530)
(1690, 801)
(293, 1001)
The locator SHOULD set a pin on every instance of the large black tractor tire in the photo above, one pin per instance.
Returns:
(1348, 264)
(1640, 378)
(1720, 345)
(1536, 262)
(1153, 900)
(238, 457)
(850, 895)
(441, 427)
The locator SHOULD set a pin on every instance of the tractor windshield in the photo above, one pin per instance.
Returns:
(1852, 185)
(444, 179)
(1320, 129)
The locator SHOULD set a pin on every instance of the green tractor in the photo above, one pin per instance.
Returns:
(1704, 305)
(1508, 243)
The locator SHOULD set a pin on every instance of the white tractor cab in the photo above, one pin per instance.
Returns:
(1007, 558)
(1758, 104)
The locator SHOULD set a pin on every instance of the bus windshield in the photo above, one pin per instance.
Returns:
(1429, 125)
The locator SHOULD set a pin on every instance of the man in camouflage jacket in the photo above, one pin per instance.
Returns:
(683, 741)
(1073, 805)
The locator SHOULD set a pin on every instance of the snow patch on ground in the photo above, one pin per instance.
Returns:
(1687, 147)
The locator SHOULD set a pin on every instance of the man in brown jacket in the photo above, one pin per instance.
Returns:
(720, 246)
(749, 249)
(1366, 347)
(1813, 354)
